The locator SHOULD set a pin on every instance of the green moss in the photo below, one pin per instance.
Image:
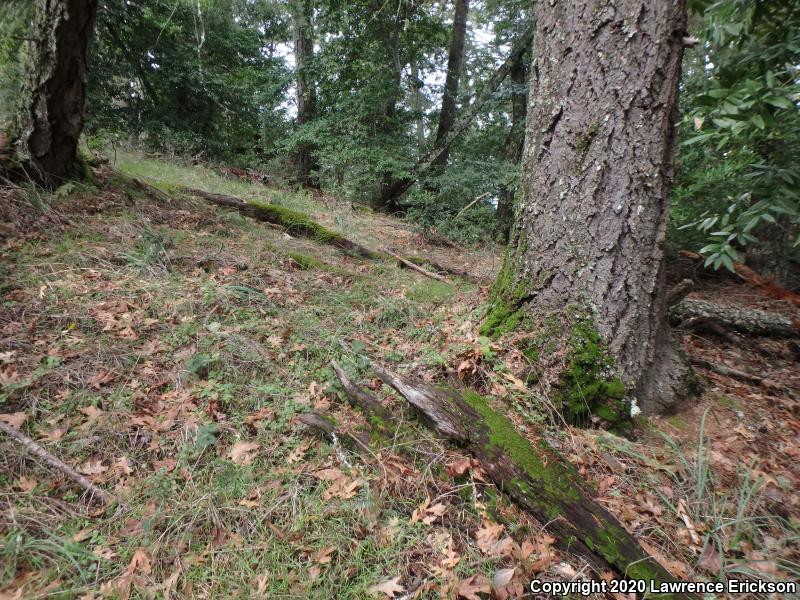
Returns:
(585, 140)
(551, 485)
(298, 223)
(588, 385)
(507, 298)
(552, 478)
(306, 262)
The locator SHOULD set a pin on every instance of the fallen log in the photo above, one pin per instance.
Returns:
(535, 477)
(293, 221)
(744, 320)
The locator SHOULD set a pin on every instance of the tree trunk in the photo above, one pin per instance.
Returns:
(416, 106)
(514, 142)
(585, 261)
(455, 60)
(303, 37)
(391, 194)
(396, 69)
(49, 118)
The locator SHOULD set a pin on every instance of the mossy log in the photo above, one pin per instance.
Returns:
(535, 477)
(748, 321)
(295, 222)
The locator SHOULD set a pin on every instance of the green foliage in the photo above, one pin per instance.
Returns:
(14, 20)
(737, 165)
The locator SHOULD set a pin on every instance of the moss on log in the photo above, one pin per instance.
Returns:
(295, 222)
(535, 477)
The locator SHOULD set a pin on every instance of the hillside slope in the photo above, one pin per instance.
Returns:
(166, 349)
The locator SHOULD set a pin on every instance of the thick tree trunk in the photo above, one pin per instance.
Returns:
(306, 91)
(391, 194)
(49, 118)
(514, 142)
(455, 60)
(586, 257)
(396, 69)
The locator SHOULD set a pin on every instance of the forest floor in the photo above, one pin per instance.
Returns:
(167, 348)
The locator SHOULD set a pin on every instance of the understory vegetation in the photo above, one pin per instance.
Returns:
(168, 350)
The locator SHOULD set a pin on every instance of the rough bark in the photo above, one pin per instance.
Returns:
(586, 246)
(303, 38)
(416, 106)
(535, 477)
(50, 116)
(455, 60)
(391, 194)
(515, 141)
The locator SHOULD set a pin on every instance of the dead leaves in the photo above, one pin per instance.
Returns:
(472, 586)
(15, 420)
(342, 486)
(427, 513)
(388, 588)
(244, 453)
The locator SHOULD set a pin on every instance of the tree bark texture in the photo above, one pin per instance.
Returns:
(50, 113)
(515, 141)
(597, 169)
(455, 60)
(303, 38)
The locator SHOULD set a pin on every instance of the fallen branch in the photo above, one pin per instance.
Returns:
(736, 374)
(744, 320)
(417, 268)
(423, 260)
(56, 463)
(535, 477)
(470, 205)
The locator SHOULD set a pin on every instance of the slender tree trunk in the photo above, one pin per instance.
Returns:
(514, 142)
(49, 118)
(396, 69)
(416, 106)
(585, 260)
(391, 194)
(455, 60)
(303, 37)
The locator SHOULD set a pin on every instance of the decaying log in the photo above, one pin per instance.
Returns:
(294, 222)
(95, 493)
(535, 477)
(744, 320)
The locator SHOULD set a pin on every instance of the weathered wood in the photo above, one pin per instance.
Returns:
(295, 222)
(744, 320)
(416, 268)
(535, 477)
(737, 374)
(95, 493)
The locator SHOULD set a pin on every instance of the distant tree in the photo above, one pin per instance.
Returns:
(303, 38)
(584, 268)
(50, 115)
(455, 61)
